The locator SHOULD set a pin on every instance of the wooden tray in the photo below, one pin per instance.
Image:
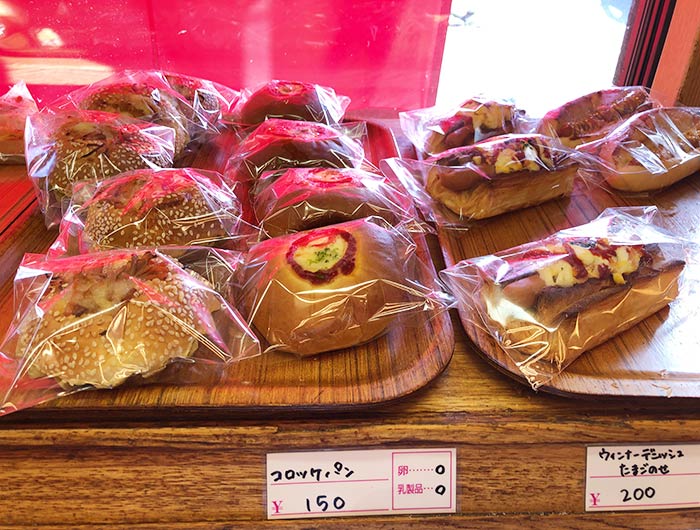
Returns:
(659, 356)
(391, 367)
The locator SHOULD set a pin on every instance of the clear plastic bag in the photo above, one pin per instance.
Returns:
(304, 198)
(290, 100)
(99, 320)
(591, 116)
(145, 95)
(483, 180)
(435, 129)
(278, 144)
(336, 287)
(153, 208)
(650, 151)
(66, 147)
(547, 302)
(211, 102)
(15, 105)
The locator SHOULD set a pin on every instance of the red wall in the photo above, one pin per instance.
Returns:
(380, 53)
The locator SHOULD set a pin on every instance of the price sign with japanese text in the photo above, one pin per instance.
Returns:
(369, 482)
(642, 477)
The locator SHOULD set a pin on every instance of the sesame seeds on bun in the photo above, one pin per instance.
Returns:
(110, 317)
(95, 146)
(160, 207)
(142, 101)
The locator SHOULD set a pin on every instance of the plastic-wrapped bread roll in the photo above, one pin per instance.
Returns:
(333, 287)
(278, 144)
(15, 106)
(549, 301)
(651, 150)
(434, 130)
(154, 208)
(73, 146)
(111, 317)
(501, 174)
(143, 95)
(292, 100)
(590, 117)
(306, 198)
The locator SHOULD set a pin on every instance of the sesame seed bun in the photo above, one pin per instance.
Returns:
(106, 317)
(89, 145)
(144, 101)
(201, 95)
(154, 208)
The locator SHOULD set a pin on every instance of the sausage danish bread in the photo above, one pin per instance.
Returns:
(591, 116)
(549, 301)
(651, 150)
(500, 174)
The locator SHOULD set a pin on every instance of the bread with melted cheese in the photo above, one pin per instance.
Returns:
(562, 297)
(499, 175)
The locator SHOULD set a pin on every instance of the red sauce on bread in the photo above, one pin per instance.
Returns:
(319, 245)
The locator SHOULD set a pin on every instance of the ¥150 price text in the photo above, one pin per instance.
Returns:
(323, 503)
(338, 470)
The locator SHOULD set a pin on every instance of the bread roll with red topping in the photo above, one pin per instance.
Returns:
(554, 299)
(278, 144)
(325, 289)
(106, 317)
(590, 117)
(501, 174)
(652, 150)
(291, 100)
(147, 207)
(306, 198)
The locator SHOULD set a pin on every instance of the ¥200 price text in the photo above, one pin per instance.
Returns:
(338, 470)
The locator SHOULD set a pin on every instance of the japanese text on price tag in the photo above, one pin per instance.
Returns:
(372, 482)
(642, 477)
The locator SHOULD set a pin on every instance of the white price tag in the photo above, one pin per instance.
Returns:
(642, 477)
(371, 482)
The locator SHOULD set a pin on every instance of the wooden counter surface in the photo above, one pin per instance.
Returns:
(520, 454)
(520, 458)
